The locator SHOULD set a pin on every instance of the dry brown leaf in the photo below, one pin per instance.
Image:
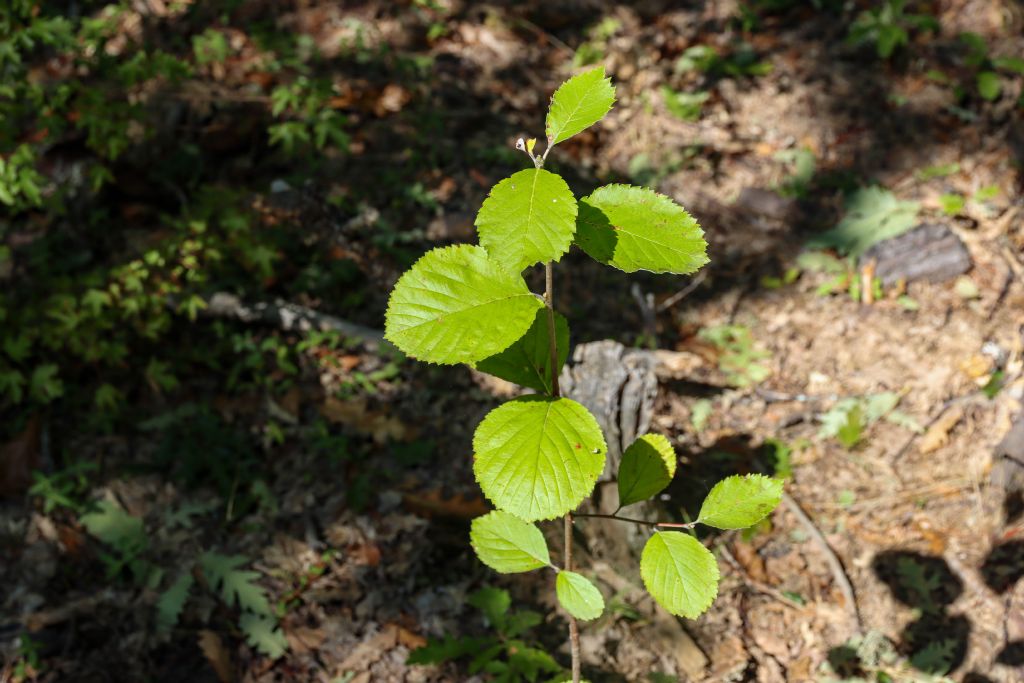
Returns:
(18, 458)
(367, 553)
(433, 504)
(354, 413)
(303, 639)
(392, 99)
(751, 561)
(409, 639)
(218, 657)
(370, 650)
(937, 435)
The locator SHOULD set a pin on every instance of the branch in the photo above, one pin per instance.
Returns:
(660, 525)
(287, 316)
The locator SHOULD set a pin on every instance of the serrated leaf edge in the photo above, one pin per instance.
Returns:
(452, 247)
(604, 78)
(757, 477)
(700, 230)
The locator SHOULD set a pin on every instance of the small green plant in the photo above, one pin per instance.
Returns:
(989, 72)
(508, 655)
(538, 457)
(593, 50)
(740, 359)
(684, 105)
(741, 60)
(872, 214)
(850, 417)
(888, 26)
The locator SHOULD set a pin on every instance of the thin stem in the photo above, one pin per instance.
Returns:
(549, 296)
(574, 627)
(644, 522)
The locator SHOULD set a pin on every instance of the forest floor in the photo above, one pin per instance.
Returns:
(349, 488)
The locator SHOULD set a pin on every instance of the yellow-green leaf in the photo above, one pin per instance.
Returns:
(538, 457)
(579, 103)
(647, 467)
(634, 228)
(458, 305)
(679, 573)
(579, 596)
(507, 544)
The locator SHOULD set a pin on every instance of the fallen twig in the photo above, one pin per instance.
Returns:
(683, 293)
(835, 564)
(287, 316)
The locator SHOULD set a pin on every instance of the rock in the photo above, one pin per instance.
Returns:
(931, 252)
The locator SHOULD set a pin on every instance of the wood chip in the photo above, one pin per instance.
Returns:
(937, 435)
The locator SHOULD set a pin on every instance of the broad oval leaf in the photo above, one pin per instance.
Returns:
(634, 228)
(579, 103)
(578, 595)
(738, 501)
(457, 305)
(680, 573)
(538, 457)
(647, 467)
(528, 218)
(507, 544)
(528, 361)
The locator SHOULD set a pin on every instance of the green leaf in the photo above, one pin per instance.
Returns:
(579, 103)
(507, 544)
(446, 650)
(538, 457)
(873, 214)
(684, 105)
(579, 596)
(679, 573)
(493, 602)
(851, 431)
(45, 385)
(738, 501)
(528, 361)
(236, 586)
(647, 467)
(951, 204)
(530, 662)
(115, 527)
(699, 413)
(171, 602)
(456, 305)
(528, 218)
(261, 632)
(989, 85)
(634, 228)
(1014, 64)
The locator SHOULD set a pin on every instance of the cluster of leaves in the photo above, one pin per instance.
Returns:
(75, 301)
(872, 214)
(507, 654)
(741, 61)
(307, 118)
(848, 419)
(988, 71)
(873, 658)
(888, 26)
(739, 358)
(538, 457)
(128, 542)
